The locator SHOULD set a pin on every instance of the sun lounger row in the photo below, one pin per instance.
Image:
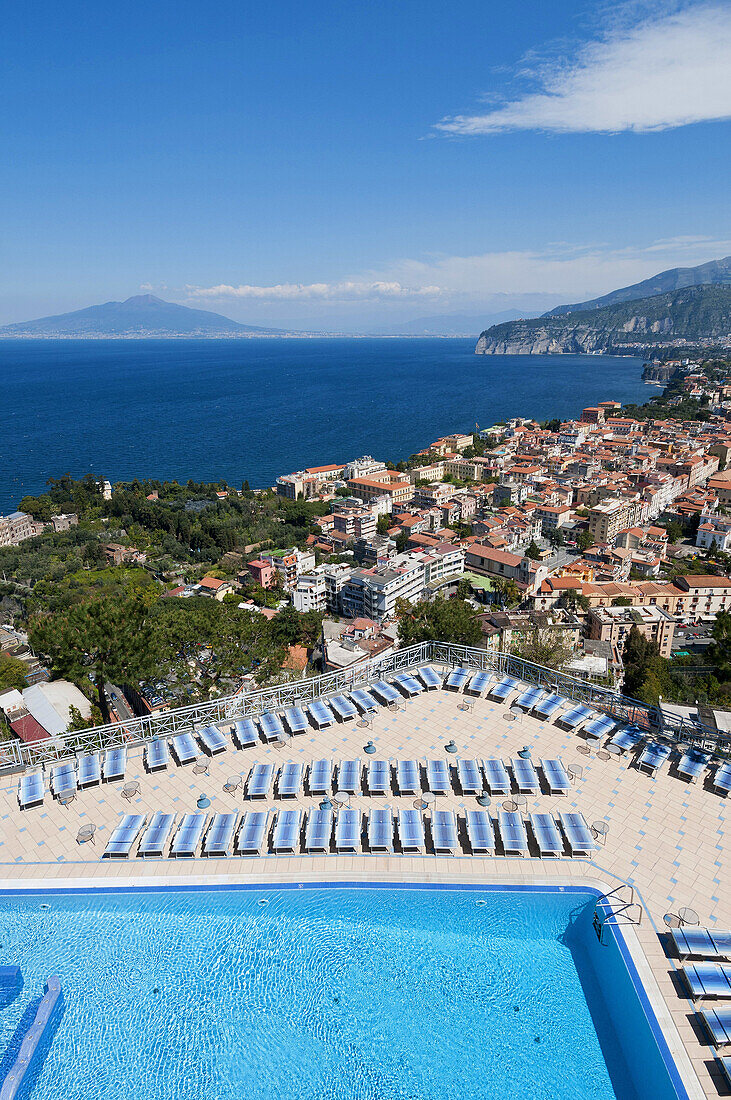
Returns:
(349, 831)
(68, 776)
(708, 980)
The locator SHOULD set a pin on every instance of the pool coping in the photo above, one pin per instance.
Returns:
(657, 1013)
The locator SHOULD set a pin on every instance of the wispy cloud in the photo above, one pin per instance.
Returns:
(347, 291)
(562, 271)
(663, 71)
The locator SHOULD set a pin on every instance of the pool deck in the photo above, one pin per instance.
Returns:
(666, 837)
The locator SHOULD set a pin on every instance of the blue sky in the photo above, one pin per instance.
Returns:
(347, 165)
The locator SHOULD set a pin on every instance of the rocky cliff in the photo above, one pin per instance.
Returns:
(695, 313)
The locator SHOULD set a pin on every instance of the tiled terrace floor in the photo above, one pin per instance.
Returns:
(668, 838)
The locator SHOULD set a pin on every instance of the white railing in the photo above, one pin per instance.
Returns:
(16, 754)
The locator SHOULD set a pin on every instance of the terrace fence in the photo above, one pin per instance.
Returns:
(15, 755)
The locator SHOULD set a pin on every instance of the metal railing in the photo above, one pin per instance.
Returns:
(16, 754)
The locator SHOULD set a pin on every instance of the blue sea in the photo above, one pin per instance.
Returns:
(253, 409)
(316, 994)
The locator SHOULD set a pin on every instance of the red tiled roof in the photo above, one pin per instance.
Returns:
(28, 730)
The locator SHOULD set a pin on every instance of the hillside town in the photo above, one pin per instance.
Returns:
(579, 531)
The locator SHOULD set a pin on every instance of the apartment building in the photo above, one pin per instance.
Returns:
(306, 484)
(290, 564)
(553, 516)
(716, 529)
(613, 624)
(310, 593)
(498, 563)
(612, 515)
(390, 483)
(374, 592)
(354, 523)
(17, 527)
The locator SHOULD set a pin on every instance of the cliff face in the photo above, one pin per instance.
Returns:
(695, 313)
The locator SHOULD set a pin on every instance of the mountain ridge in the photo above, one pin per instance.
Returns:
(142, 315)
(696, 313)
(714, 272)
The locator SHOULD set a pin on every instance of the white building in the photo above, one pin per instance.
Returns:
(713, 528)
(362, 467)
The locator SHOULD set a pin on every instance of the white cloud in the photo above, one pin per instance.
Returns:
(520, 279)
(347, 291)
(660, 73)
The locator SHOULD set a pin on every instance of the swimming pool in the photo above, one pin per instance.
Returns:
(368, 993)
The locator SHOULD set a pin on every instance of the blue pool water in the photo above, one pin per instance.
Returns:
(354, 994)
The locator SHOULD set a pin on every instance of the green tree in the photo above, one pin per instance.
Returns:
(719, 651)
(12, 673)
(556, 537)
(674, 531)
(584, 540)
(545, 647)
(110, 639)
(574, 600)
(622, 601)
(507, 592)
(382, 525)
(439, 620)
(533, 552)
(401, 540)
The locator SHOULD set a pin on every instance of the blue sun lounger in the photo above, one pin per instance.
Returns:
(653, 757)
(724, 1064)
(692, 764)
(364, 701)
(343, 708)
(503, 688)
(271, 726)
(577, 833)
(444, 832)
(573, 718)
(437, 776)
(599, 727)
(220, 834)
(407, 684)
(295, 720)
(548, 706)
(320, 715)
(63, 779)
(252, 835)
(156, 755)
(722, 780)
(479, 682)
(525, 775)
(348, 831)
(89, 770)
(707, 981)
(385, 692)
(718, 1025)
(470, 776)
(289, 783)
(380, 830)
(321, 776)
(185, 749)
(556, 776)
(548, 838)
(246, 733)
(411, 831)
(701, 942)
(429, 678)
(156, 835)
(528, 699)
(349, 776)
(379, 776)
(496, 776)
(319, 830)
(512, 833)
(120, 842)
(212, 740)
(457, 679)
(480, 832)
(115, 763)
(287, 829)
(188, 836)
(260, 782)
(408, 777)
(31, 790)
(627, 739)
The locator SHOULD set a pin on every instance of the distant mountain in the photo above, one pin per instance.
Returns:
(695, 314)
(139, 316)
(716, 272)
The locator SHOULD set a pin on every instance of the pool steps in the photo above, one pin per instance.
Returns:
(42, 1028)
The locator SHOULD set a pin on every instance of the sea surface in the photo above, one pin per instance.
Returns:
(254, 409)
